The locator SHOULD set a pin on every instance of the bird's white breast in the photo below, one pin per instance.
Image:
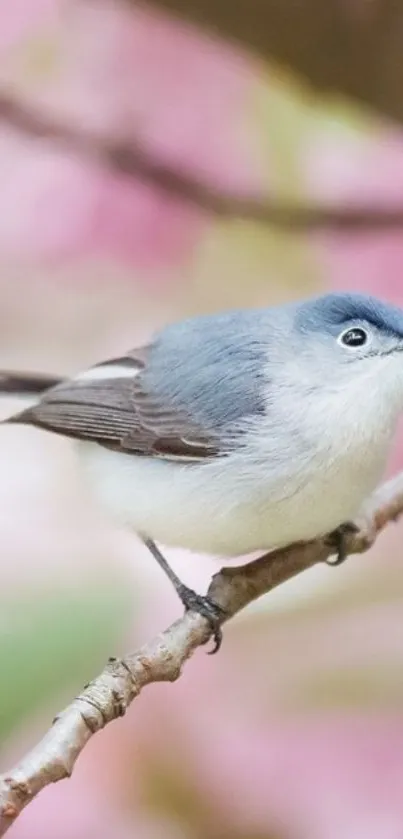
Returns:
(231, 507)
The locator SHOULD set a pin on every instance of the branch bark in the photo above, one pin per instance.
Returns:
(135, 161)
(109, 695)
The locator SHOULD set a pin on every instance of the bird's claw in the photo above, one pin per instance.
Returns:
(211, 611)
(338, 540)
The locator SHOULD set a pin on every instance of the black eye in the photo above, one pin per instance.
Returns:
(354, 337)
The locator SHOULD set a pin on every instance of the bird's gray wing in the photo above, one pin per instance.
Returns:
(118, 411)
(188, 394)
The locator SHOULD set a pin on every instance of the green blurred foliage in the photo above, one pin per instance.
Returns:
(52, 644)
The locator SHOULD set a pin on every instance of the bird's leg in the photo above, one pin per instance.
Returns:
(191, 600)
(337, 539)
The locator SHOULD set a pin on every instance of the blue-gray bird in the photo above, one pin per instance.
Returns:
(237, 432)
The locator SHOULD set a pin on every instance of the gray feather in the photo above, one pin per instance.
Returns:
(170, 406)
(213, 367)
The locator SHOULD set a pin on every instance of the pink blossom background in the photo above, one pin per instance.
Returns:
(296, 729)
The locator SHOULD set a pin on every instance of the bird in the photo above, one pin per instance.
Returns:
(235, 432)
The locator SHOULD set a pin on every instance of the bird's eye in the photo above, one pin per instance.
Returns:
(354, 337)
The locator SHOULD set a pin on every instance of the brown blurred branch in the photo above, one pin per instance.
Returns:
(109, 695)
(349, 47)
(133, 160)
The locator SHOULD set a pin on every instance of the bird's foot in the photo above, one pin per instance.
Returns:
(211, 611)
(338, 540)
(193, 602)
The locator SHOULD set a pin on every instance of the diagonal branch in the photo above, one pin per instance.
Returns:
(133, 160)
(110, 694)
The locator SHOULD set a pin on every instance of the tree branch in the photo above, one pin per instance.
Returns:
(133, 160)
(110, 694)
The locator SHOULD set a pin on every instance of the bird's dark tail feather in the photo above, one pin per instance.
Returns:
(26, 384)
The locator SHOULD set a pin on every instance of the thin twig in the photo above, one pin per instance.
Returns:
(133, 160)
(110, 694)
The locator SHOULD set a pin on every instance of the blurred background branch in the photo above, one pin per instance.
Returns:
(136, 161)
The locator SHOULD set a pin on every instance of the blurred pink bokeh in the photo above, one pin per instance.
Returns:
(365, 172)
(57, 206)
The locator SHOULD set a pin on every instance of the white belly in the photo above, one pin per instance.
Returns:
(225, 507)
